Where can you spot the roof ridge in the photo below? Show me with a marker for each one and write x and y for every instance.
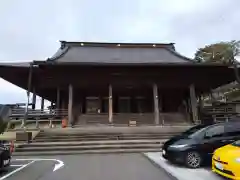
(94, 42)
(118, 44)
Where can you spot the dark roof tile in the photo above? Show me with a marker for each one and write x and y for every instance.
(83, 52)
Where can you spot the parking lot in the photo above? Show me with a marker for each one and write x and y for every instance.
(102, 167)
(27, 169)
(85, 167)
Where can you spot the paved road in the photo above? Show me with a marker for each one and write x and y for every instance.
(91, 167)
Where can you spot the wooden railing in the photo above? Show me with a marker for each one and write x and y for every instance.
(38, 114)
(219, 110)
(125, 118)
(119, 119)
(223, 118)
(220, 114)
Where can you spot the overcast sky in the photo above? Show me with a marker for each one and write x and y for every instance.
(30, 29)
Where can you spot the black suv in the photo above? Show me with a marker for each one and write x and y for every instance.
(196, 145)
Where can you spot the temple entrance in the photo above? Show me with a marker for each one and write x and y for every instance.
(172, 100)
(142, 105)
(124, 105)
(104, 107)
(93, 105)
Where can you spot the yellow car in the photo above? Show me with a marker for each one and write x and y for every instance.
(226, 161)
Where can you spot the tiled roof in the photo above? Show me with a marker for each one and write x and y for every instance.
(85, 52)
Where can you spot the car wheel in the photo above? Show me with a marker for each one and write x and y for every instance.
(193, 159)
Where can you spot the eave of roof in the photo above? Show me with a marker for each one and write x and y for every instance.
(27, 64)
(16, 64)
(131, 64)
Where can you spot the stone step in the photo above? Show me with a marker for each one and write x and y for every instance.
(119, 130)
(71, 139)
(95, 139)
(88, 147)
(98, 151)
(101, 133)
(79, 143)
(103, 137)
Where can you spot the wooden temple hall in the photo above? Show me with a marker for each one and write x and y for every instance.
(114, 83)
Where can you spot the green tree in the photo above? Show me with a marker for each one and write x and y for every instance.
(222, 52)
(4, 118)
(3, 126)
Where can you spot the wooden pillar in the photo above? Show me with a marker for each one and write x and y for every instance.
(42, 104)
(52, 116)
(34, 99)
(28, 95)
(70, 103)
(193, 101)
(156, 104)
(110, 106)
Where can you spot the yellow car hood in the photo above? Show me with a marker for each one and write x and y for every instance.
(227, 152)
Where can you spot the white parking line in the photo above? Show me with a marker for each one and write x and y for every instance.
(57, 166)
(16, 170)
(17, 165)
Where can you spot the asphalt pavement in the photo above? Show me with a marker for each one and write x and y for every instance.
(180, 171)
(85, 167)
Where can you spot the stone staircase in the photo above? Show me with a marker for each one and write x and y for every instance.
(172, 118)
(56, 143)
(141, 119)
(92, 119)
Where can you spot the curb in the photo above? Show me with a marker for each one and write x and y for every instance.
(159, 167)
